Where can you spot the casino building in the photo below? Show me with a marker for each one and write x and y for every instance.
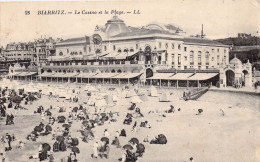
(158, 54)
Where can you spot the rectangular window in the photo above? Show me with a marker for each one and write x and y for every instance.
(218, 50)
(185, 58)
(172, 45)
(166, 45)
(172, 59)
(191, 57)
(89, 49)
(212, 59)
(105, 48)
(224, 59)
(136, 46)
(218, 59)
(185, 67)
(114, 47)
(199, 67)
(160, 45)
(185, 49)
(207, 57)
(199, 57)
(179, 59)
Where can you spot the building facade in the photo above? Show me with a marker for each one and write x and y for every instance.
(117, 52)
(43, 48)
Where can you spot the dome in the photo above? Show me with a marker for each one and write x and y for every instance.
(236, 61)
(116, 26)
(17, 66)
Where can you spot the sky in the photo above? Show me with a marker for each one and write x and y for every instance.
(221, 18)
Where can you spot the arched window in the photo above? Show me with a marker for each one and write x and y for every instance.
(131, 50)
(119, 71)
(179, 47)
(80, 53)
(125, 50)
(113, 71)
(61, 54)
(119, 50)
(199, 57)
(147, 49)
(76, 53)
(207, 57)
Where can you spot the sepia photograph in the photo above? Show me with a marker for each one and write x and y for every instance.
(130, 81)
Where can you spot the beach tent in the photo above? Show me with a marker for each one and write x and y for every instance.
(92, 89)
(136, 99)
(114, 98)
(100, 103)
(164, 97)
(153, 91)
(130, 93)
(91, 101)
(144, 98)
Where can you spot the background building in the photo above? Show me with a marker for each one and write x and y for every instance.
(43, 48)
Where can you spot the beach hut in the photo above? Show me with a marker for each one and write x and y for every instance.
(164, 97)
(153, 91)
(136, 99)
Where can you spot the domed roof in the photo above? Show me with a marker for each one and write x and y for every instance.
(116, 26)
(17, 66)
(235, 61)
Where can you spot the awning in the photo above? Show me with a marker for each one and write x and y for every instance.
(85, 75)
(46, 74)
(131, 55)
(180, 76)
(104, 75)
(65, 75)
(111, 55)
(26, 73)
(32, 73)
(127, 75)
(69, 75)
(202, 76)
(164, 76)
(14, 73)
(120, 75)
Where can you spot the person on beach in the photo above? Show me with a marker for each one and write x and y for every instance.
(95, 150)
(106, 133)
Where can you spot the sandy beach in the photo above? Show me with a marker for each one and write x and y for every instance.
(227, 130)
